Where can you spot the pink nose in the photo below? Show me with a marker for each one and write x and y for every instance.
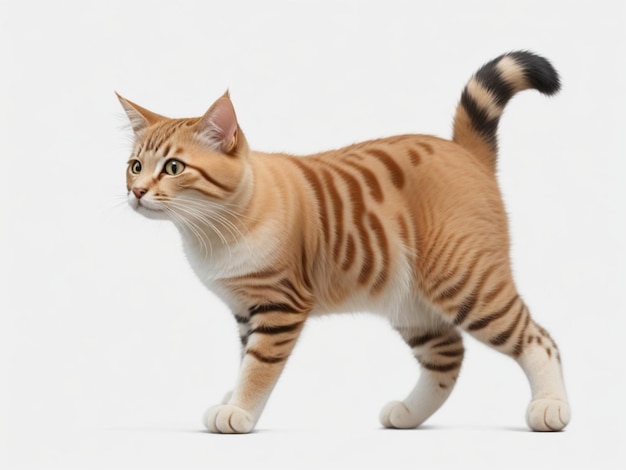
(139, 192)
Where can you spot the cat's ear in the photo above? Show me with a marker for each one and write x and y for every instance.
(218, 127)
(140, 118)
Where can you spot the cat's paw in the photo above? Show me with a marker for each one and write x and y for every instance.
(547, 414)
(228, 419)
(395, 414)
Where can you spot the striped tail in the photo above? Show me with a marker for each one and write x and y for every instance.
(489, 90)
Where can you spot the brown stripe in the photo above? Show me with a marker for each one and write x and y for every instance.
(519, 344)
(283, 342)
(337, 205)
(483, 322)
(395, 172)
(506, 334)
(267, 359)
(403, 230)
(450, 292)
(379, 232)
(293, 294)
(466, 307)
(443, 267)
(370, 180)
(414, 156)
(422, 339)
(276, 330)
(469, 303)
(166, 150)
(159, 140)
(305, 268)
(149, 142)
(440, 367)
(489, 296)
(317, 187)
(258, 275)
(271, 307)
(448, 342)
(164, 132)
(452, 353)
(484, 277)
(358, 212)
(425, 257)
(427, 147)
(210, 179)
(349, 255)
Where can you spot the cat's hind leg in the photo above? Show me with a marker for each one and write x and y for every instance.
(440, 354)
(506, 326)
(541, 361)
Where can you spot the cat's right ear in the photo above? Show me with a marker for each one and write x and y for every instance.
(140, 118)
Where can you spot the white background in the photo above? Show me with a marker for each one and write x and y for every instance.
(111, 349)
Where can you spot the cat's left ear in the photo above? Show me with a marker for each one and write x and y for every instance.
(140, 118)
(218, 127)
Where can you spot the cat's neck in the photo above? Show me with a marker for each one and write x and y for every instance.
(241, 234)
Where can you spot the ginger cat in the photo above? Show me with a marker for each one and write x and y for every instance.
(411, 227)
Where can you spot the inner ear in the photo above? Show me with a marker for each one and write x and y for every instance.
(218, 127)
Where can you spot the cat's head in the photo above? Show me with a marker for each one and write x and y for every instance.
(185, 168)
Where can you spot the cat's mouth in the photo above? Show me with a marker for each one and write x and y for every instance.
(147, 208)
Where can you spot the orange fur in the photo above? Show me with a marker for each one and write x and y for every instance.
(412, 226)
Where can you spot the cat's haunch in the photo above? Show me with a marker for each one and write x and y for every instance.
(411, 227)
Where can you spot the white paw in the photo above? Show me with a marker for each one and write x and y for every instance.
(228, 419)
(395, 414)
(547, 414)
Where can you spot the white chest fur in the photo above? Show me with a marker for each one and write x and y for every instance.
(211, 259)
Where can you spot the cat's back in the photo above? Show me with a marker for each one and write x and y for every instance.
(371, 211)
(424, 173)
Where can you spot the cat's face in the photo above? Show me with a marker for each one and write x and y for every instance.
(184, 169)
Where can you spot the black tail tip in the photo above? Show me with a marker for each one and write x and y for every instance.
(539, 72)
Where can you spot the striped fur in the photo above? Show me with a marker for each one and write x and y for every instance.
(487, 93)
(410, 226)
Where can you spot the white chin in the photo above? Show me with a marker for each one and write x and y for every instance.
(156, 214)
(152, 213)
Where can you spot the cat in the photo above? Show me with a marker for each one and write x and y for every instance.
(410, 226)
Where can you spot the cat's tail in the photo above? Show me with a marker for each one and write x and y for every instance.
(488, 91)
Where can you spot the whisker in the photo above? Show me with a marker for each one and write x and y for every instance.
(210, 215)
(227, 223)
(205, 220)
(195, 230)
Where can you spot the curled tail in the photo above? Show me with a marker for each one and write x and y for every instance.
(489, 90)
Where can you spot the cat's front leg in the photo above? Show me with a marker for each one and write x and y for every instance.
(271, 333)
(243, 323)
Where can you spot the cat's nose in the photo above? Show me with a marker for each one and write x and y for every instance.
(139, 192)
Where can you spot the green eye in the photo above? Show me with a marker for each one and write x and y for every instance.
(135, 167)
(174, 167)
